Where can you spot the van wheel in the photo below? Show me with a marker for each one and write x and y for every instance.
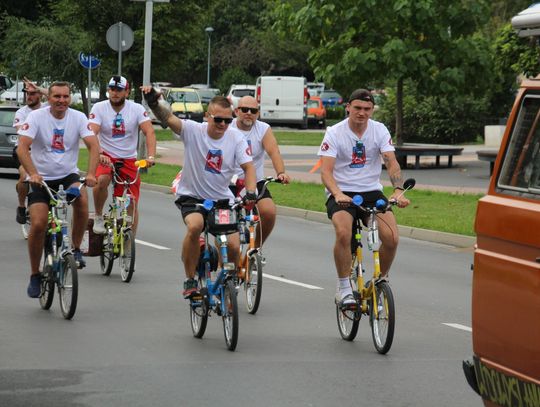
(304, 124)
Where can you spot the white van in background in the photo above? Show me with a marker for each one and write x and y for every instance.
(283, 100)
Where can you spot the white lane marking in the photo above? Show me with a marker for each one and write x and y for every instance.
(458, 326)
(284, 280)
(155, 246)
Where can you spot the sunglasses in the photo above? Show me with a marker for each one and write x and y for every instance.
(252, 110)
(118, 120)
(227, 120)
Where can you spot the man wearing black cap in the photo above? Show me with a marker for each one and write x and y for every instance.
(351, 154)
(117, 121)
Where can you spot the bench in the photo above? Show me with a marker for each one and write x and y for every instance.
(488, 155)
(426, 150)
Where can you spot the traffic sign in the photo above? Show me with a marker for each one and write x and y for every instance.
(120, 37)
(89, 61)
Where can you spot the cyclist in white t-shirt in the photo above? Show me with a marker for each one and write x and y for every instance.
(117, 122)
(54, 133)
(351, 154)
(261, 140)
(212, 152)
(33, 101)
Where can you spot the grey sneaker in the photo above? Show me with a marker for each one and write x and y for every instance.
(99, 225)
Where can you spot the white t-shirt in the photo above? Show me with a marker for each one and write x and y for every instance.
(55, 145)
(209, 164)
(358, 166)
(254, 137)
(119, 131)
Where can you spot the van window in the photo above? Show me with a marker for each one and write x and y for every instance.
(179, 96)
(243, 92)
(520, 173)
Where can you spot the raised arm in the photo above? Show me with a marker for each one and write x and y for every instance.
(161, 109)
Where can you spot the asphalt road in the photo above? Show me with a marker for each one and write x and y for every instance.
(131, 344)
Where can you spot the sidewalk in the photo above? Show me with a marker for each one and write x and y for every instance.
(468, 174)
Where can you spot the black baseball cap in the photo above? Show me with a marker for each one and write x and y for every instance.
(362, 94)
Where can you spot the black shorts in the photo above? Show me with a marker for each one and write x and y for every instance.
(183, 203)
(369, 201)
(40, 194)
(260, 186)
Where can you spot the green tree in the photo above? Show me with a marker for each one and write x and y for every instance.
(370, 42)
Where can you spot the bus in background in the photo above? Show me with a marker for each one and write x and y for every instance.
(283, 100)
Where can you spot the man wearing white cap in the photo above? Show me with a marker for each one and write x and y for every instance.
(116, 122)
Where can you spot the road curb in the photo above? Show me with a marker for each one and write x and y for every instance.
(321, 217)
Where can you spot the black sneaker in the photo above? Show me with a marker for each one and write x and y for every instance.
(190, 288)
(34, 287)
(79, 258)
(21, 215)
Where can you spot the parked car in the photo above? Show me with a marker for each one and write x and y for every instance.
(5, 83)
(505, 366)
(185, 103)
(315, 88)
(206, 95)
(331, 98)
(8, 136)
(238, 91)
(13, 95)
(316, 111)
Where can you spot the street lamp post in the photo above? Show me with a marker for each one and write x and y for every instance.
(209, 31)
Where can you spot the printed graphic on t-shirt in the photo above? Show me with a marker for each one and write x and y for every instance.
(58, 141)
(249, 150)
(214, 161)
(358, 156)
(118, 127)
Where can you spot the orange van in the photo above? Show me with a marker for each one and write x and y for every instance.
(505, 369)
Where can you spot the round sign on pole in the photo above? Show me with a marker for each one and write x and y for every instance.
(88, 61)
(120, 33)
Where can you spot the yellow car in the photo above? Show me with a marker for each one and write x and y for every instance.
(185, 103)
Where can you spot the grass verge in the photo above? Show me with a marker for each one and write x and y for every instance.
(441, 211)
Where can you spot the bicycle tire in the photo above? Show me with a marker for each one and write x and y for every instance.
(68, 286)
(106, 258)
(47, 287)
(230, 315)
(198, 310)
(127, 258)
(348, 320)
(253, 283)
(382, 325)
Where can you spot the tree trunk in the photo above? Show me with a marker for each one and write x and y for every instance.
(399, 112)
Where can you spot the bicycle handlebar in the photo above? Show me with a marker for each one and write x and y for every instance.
(382, 205)
(73, 191)
(116, 176)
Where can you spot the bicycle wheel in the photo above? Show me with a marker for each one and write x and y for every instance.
(348, 319)
(382, 325)
(68, 286)
(253, 283)
(127, 259)
(106, 258)
(198, 310)
(230, 315)
(47, 286)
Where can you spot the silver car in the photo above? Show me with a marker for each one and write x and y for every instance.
(8, 137)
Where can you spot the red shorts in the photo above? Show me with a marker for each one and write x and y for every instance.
(127, 171)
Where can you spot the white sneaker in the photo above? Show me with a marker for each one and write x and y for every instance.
(99, 225)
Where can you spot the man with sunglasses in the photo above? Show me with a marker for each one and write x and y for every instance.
(351, 154)
(33, 102)
(54, 133)
(212, 152)
(261, 140)
(117, 122)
